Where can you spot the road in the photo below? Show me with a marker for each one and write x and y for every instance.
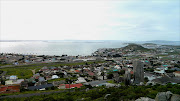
(35, 94)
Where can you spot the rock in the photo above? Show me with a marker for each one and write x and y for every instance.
(175, 97)
(163, 96)
(145, 99)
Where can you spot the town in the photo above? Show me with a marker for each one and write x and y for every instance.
(134, 64)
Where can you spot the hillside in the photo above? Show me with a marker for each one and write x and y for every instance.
(136, 47)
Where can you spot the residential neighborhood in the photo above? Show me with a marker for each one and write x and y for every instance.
(130, 65)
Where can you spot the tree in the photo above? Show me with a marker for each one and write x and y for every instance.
(122, 72)
(146, 79)
(69, 81)
(102, 74)
(110, 76)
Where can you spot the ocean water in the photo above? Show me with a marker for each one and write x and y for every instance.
(56, 48)
(71, 48)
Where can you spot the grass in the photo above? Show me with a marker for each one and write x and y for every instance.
(174, 53)
(111, 81)
(3, 64)
(20, 72)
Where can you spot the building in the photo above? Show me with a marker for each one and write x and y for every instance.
(138, 71)
(9, 89)
(66, 86)
(177, 73)
(96, 83)
(81, 80)
(13, 77)
(8, 82)
(40, 87)
(55, 77)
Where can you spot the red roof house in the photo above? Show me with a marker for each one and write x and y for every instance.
(9, 89)
(65, 86)
(77, 71)
(91, 73)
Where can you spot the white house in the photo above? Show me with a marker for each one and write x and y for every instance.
(55, 77)
(8, 82)
(81, 80)
(150, 76)
(13, 77)
(18, 81)
(160, 70)
(177, 73)
(117, 67)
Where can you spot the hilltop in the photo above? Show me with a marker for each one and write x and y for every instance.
(149, 44)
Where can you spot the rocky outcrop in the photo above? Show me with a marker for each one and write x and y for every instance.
(145, 99)
(175, 97)
(167, 96)
(162, 96)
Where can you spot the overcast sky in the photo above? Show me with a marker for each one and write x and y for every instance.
(133, 20)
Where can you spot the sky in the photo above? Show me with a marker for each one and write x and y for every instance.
(126, 20)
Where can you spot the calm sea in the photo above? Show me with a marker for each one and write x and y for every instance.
(58, 47)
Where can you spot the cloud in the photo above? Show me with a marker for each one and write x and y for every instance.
(90, 20)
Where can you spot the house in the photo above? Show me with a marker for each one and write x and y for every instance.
(175, 68)
(9, 89)
(55, 77)
(91, 73)
(102, 77)
(81, 80)
(13, 77)
(177, 73)
(95, 83)
(41, 79)
(32, 80)
(110, 85)
(117, 67)
(115, 70)
(72, 70)
(150, 76)
(66, 86)
(7, 77)
(39, 87)
(57, 83)
(8, 82)
(159, 70)
(77, 71)
(18, 81)
(36, 75)
(24, 84)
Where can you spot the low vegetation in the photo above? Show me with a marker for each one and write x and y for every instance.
(98, 94)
